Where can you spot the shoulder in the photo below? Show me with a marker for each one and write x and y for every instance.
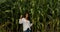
(23, 18)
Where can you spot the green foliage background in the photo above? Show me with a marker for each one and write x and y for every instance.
(45, 14)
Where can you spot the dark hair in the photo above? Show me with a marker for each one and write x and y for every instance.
(28, 15)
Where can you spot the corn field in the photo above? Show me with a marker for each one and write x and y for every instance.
(45, 14)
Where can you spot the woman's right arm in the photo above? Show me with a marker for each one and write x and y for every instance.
(20, 20)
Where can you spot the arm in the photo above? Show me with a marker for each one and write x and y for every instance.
(20, 21)
(31, 24)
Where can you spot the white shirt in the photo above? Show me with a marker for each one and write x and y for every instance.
(26, 23)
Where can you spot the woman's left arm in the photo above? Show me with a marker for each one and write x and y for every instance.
(31, 24)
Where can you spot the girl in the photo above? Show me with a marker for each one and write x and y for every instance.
(26, 23)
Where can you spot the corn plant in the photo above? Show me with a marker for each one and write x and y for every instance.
(44, 14)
